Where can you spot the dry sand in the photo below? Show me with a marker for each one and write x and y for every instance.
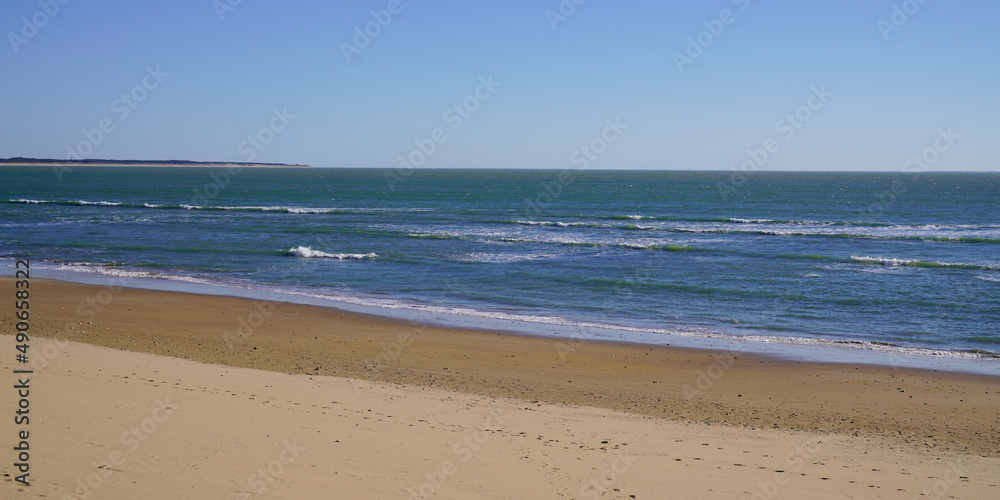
(460, 414)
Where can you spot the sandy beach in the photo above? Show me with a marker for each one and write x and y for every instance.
(151, 394)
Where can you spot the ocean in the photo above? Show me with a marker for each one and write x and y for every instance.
(903, 262)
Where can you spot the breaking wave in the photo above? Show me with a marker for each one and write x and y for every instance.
(308, 252)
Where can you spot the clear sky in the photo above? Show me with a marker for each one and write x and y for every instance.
(216, 74)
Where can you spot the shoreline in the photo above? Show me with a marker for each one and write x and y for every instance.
(909, 408)
(781, 348)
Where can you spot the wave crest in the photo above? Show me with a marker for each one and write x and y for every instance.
(308, 252)
(894, 262)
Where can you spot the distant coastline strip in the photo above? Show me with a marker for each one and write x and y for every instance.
(48, 162)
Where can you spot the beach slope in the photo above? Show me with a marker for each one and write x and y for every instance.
(413, 411)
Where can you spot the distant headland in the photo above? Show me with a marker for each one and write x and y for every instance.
(47, 162)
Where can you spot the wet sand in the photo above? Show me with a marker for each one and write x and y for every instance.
(574, 390)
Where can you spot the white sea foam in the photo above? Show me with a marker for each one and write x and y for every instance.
(637, 246)
(99, 203)
(106, 270)
(893, 262)
(885, 261)
(326, 210)
(30, 202)
(750, 221)
(502, 258)
(548, 223)
(248, 208)
(558, 223)
(828, 229)
(299, 210)
(688, 332)
(308, 252)
(114, 271)
(742, 220)
(308, 210)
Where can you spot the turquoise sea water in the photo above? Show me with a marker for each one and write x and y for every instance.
(872, 260)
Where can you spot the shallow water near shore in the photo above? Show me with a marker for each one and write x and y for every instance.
(816, 266)
(848, 352)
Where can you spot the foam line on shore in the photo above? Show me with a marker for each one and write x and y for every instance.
(785, 347)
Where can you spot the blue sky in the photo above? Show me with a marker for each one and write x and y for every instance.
(559, 81)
